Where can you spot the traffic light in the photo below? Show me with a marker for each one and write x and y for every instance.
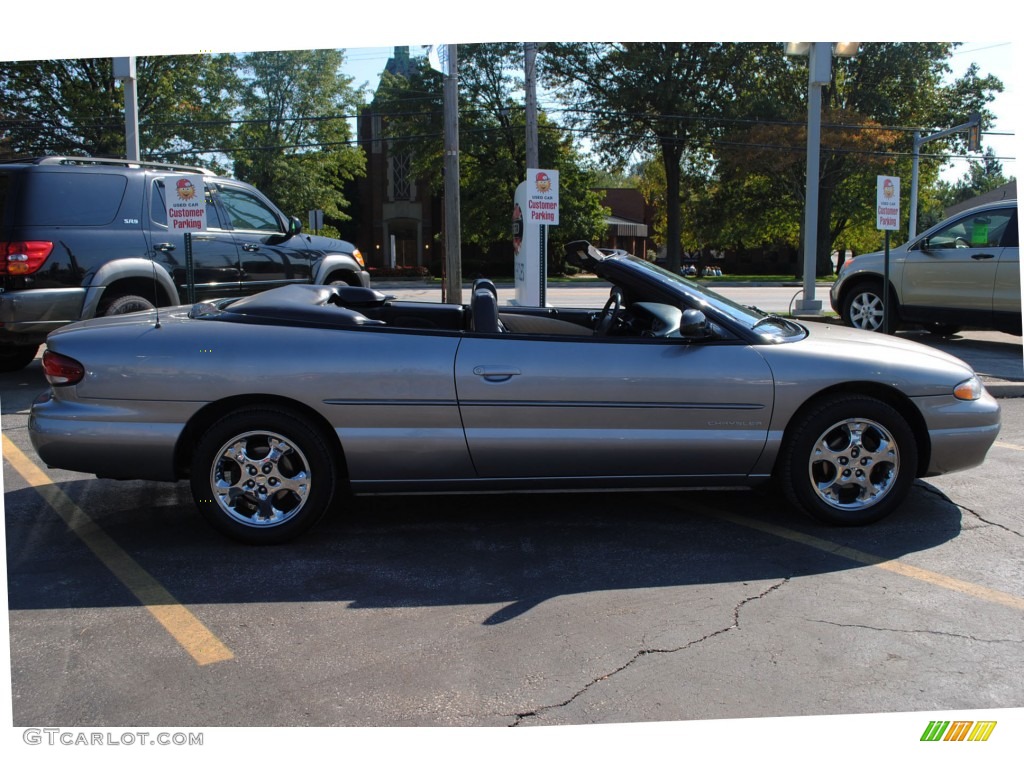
(974, 132)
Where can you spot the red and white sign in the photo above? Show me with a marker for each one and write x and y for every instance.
(887, 207)
(541, 196)
(186, 203)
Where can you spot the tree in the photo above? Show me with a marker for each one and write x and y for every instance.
(982, 176)
(653, 99)
(293, 140)
(492, 139)
(75, 107)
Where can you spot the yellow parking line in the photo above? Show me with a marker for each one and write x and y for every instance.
(200, 643)
(866, 558)
(1010, 446)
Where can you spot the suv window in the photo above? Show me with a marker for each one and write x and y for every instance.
(158, 207)
(246, 211)
(982, 230)
(72, 199)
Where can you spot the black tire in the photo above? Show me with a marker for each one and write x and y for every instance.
(263, 476)
(14, 357)
(122, 305)
(344, 278)
(848, 460)
(864, 305)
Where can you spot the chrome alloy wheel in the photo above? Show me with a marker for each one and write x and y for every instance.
(866, 311)
(260, 479)
(854, 464)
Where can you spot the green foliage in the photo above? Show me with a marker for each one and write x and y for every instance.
(492, 145)
(293, 140)
(75, 107)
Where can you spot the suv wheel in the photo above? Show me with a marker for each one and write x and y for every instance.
(122, 305)
(864, 307)
(14, 357)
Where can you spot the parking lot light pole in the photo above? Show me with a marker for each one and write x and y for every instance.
(819, 69)
(971, 127)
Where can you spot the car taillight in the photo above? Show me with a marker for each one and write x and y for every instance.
(23, 257)
(61, 370)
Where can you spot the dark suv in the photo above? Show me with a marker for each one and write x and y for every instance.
(81, 237)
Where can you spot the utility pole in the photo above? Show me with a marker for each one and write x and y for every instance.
(452, 200)
(532, 148)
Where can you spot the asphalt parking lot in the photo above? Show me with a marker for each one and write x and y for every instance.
(541, 609)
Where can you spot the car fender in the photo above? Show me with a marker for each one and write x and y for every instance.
(127, 269)
(333, 262)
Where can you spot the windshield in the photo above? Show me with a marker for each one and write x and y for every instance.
(771, 327)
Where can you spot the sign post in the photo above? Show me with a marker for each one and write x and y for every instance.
(887, 218)
(186, 213)
(536, 208)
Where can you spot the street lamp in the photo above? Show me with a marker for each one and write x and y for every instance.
(819, 68)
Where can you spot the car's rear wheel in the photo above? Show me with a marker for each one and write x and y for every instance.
(864, 307)
(849, 460)
(263, 476)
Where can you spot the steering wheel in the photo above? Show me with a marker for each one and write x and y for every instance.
(961, 242)
(609, 313)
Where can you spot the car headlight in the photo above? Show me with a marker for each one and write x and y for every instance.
(358, 257)
(971, 389)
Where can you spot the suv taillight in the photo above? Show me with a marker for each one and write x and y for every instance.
(23, 257)
(61, 370)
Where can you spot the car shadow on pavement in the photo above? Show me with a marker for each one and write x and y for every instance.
(509, 552)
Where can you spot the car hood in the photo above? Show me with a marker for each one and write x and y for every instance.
(840, 339)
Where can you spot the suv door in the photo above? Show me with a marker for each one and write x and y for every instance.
(268, 256)
(214, 253)
(1006, 301)
(951, 275)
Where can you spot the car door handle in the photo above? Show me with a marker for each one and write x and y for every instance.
(164, 247)
(496, 372)
(982, 256)
(251, 247)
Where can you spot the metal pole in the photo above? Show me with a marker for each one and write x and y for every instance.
(453, 223)
(124, 70)
(913, 186)
(533, 158)
(532, 147)
(808, 305)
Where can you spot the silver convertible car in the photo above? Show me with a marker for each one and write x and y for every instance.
(277, 405)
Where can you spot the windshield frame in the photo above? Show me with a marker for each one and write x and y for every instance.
(765, 326)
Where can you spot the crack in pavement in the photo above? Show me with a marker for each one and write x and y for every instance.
(976, 515)
(917, 632)
(643, 652)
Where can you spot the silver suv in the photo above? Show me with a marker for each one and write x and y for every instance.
(961, 273)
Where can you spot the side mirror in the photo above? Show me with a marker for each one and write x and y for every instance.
(294, 226)
(692, 323)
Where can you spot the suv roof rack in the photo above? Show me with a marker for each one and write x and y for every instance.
(74, 160)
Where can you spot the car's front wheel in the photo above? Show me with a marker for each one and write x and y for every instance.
(263, 476)
(864, 307)
(849, 460)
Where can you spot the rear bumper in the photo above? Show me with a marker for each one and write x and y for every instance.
(102, 440)
(26, 317)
